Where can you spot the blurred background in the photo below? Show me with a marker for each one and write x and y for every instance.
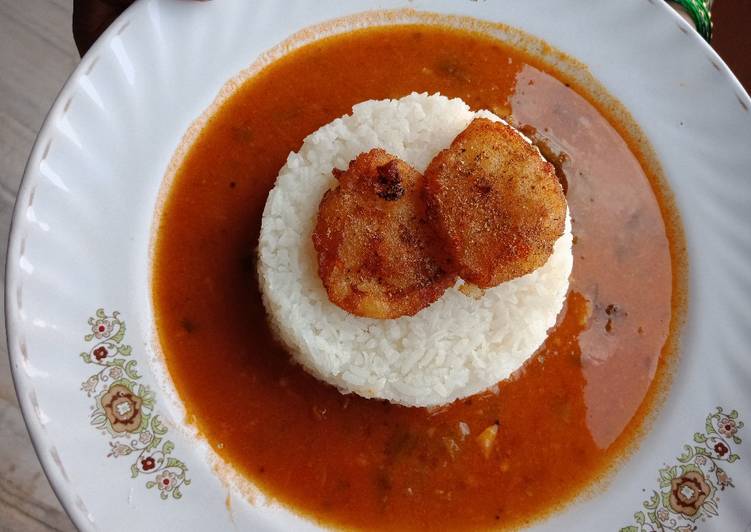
(37, 53)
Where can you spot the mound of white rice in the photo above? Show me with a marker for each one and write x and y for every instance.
(456, 347)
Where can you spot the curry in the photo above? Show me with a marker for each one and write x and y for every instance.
(503, 458)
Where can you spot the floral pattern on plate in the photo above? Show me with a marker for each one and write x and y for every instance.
(124, 408)
(689, 490)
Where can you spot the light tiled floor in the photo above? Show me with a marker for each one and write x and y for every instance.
(37, 54)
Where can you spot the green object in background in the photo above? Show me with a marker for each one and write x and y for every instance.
(699, 11)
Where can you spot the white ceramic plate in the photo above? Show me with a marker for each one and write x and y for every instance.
(83, 221)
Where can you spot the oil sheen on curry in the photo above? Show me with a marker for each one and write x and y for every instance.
(502, 458)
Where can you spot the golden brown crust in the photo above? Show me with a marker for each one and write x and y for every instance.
(495, 202)
(377, 253)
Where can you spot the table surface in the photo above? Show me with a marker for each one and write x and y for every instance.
(37, 54)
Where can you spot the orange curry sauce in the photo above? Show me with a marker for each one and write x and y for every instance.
(564, 419)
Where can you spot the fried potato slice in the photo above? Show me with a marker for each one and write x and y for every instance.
(496, 204)
(377, 253)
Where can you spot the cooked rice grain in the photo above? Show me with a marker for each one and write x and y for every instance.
(457, 346)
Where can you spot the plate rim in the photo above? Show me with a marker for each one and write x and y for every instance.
(41, 441)
(37, 433)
